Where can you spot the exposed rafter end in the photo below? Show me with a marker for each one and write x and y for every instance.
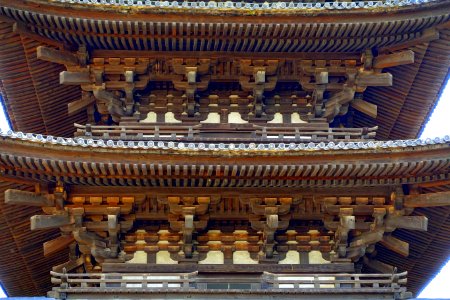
(78, 105)
(57, 244)
(428, 35)
(365, 107)
(23, 29)
(378, 266)
(394, 59)
(427, 200)
(69, 265)
(49, 221)
(57, 56)
(396, 245)
(19, 197)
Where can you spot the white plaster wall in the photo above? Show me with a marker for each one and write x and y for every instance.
(213, 257)
(169, 117)
(151, 118)
(315, 257)
(292, 257)
(243, 257)
(212, 118)
(235, 117)
(163, 257)
(277, 119)
(140, 257)
(295, 118)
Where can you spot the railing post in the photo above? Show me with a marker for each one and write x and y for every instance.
(88, 130)
(156, 131)
(123, 132)
(264, 133)
(64, 279)
(357, 282)
(316, 282)
(190, 132)
(144, 281)
(102, 281)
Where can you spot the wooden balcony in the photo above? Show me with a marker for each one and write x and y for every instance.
(314, 132)
(227, 286)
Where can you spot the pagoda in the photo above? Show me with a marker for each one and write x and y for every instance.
(222, 149)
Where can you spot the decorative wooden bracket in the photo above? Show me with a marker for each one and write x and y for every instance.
(193, 77)
(188, 215)
(258, 76)
(269, 215)
(346, 223)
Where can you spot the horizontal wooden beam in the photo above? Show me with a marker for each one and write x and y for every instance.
(19, 197)
(49, 221)
(374, 79)
(394, 59)
(57, 56)
(407, 222)
(235, 268)
(235, 192)
(69, 265)
(223, 54)
(74, 78)
(377, 265)
(427, 200)
(57, 244)
(78, 105)
(396, 245)
(428, 35)
(365, 107)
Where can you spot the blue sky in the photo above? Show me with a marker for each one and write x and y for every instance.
(438, 125)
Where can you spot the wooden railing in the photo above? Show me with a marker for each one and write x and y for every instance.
(361, 282)
(123, 283)
(88, 281)
(225, 132)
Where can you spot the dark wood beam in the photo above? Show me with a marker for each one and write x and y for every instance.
(377, 265)
(57, 244)
(69, 265)
(74, 78)
(235, 268)
(396, 245)
(427, 36)
(79, 105)
(394, 59)
(24, 30)
(365, 107)
(219, 54)
(427, 200)
(19, 197)
(49, 221)
(57, 56)
(266, 192)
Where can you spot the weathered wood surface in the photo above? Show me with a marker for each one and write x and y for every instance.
(365, 107)
(427, 200)
(235, 268)
(49, 221)
(19, 197)
(394, 59)
(57, 244)
(57, 56)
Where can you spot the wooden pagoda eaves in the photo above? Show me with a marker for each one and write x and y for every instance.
(263, 190)
(152, 180)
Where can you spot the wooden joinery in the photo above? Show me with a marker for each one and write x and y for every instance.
(121, 87)
(191, 76)
(188, 215)
(258, 76)
(270, 215)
